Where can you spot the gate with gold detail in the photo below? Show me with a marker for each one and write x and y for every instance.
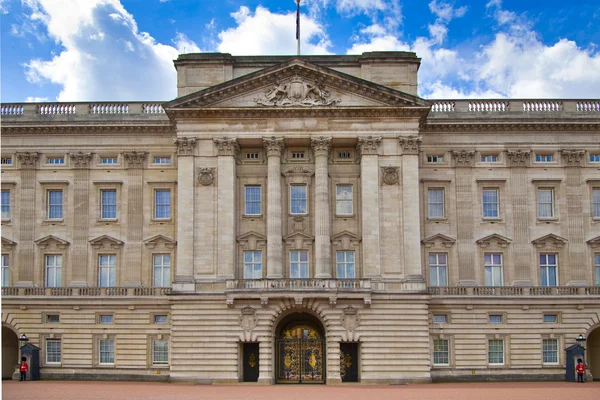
(300, 351)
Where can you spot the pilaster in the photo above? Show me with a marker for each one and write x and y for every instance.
(463, 163)
(81, 212)
(321, 146)
(28, 164)
(273, 149)
(134, 163)
(577, 246)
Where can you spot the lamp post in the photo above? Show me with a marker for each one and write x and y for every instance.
(23, 339)
(580, 340)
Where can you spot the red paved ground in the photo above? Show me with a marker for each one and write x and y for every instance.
(55, 390)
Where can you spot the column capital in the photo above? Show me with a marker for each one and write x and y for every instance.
(28, 160)
(410, 144)
(273, 145)
(81, 160)
(135, 159)
(518, 158)
(573, 158)
(321, 145)
(185, 146)
(368, 145)
(227, 146)
(463, 158)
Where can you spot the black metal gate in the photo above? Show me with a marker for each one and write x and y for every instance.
(300, 360)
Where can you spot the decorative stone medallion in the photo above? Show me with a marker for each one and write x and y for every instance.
(350, 319)
(389, 175)
(248, 320)
(206, 176)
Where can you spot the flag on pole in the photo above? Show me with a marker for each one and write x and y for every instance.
(298, 20)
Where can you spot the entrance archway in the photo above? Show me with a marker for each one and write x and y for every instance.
(10, 352)
(300, 350)
(593, 350)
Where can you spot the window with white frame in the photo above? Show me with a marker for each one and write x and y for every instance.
(53, 351)
(162, 160)
(441, 353)
(160, 351)
(5, 270)
(107, 270)
(253, 200)
(495, 351)
(440, 318)
(344, 204)
(489, 158)
(5, 204)
(162, 204)
(252, 264)
(595, 203)
(595, 158)
(490, 202)
(53, 270)
(543, 158)
(161, 319)
(545, 203)
(6, 161)
(548, 269)
(105, 319)
(106, 351)
(345, 264)
(55, 204)
(550, 318)
(493, 269)
(437, 158)
(56, 160)
(298, 199)
(438, 269)
(298, 264)
(108, 204)
(161, 266)
(109, 160)
(550, 351)
(596, 263)
(435, 202)
(495, 318)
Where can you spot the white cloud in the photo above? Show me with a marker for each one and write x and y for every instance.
(445, 11)
(184, 45)
(31, 99)
(4, 7)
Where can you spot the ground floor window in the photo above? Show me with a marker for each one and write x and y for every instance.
(53, 351)
(106, 351)
(441, 355)
(160, 351)
(496, 351)
(550, 351)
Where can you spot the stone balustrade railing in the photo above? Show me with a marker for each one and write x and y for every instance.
(524, 107)
(85, 292)
(513, 291)
(56, 111)
(300, 284)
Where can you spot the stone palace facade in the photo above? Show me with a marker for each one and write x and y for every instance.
(301, 220)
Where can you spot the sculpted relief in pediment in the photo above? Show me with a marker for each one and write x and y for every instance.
(298, 92)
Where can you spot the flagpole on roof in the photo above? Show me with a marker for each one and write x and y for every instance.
(298, 25)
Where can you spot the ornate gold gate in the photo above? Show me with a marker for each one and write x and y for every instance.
(300, 356)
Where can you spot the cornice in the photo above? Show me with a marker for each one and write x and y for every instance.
(89, 130)
(512, 126)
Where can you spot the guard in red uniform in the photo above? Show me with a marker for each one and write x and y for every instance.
(23, 369)
(580, 369)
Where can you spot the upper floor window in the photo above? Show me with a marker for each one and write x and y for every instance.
(53, 351)
(545, 203)
(161, 319)
(298, 264)
(543, 158)
(438, 269)
(105, 319)
(107, 270)
(161, 265)
(108, 204)
(595, 202)
(496, 351)
(438, 158)
(495, 319)
(489, 158)
(162, 160)
(6, 160)
(344, 155)
(53, 270)
(596, 263)
(5, 269)
(56, 160)
(440, 319)
(5, 204)
(298, 199)
(252, 156)
(550, 318)
(490, 203)
(253, 265)
(550, 351)
(298, 155)
(548, 269)
(162, 204)
(435, 203)
(441, 353)
(594, 157)
(345, 264)
(493, 269)
(55, 204)
(109, 160)
(344, 200)
(253, 198)
(52, 318)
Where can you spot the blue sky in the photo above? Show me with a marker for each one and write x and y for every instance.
(99, 50)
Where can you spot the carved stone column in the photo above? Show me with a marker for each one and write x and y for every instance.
(273, 148)
(186, 234)
(410, 147)
(577, 247)
(321, 146)
(518, 160)
(463, 163)
(81, 213)
(134, 163)
(367, 148)
(26, 231)
(228, 150)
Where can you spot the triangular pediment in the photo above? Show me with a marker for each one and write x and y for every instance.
(551, 240)
(345, 239)
(344, 234)
(157, 239)
(106, 241)
(50, 239)
(251, 235)
(438, 239)
(7, 243)
(296, 83)
(594, 242)
(298, 240)
(494, 240)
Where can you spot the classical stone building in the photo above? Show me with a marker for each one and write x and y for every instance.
(301, 219)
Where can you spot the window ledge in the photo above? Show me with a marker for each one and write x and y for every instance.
(60, 221)
(437, 220)
(252, 216)
(345, 216)
(112, 220)
(492, 219)
(548, 220)
(160, 220)
(160, 366)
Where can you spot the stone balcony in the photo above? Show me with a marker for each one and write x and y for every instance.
(85, 292)
(508, 291)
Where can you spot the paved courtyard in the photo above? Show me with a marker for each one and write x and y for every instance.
(66, 390)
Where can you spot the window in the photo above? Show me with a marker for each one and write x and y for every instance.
(161, 319)
(550, 318)
(489, 158)
(109, 160)
(496, 351)
(298, 199)
(253, 265)
(55, 204)
(490, 203)
(108, 204)
(6, 160)
(253, 198)
(297, 155)
(162, 160)
(543, 158)
(595, 203)
(162, 270)
(107, 274)
(160, 351)
(251, 156)
(298, 264)
(440, 352)
(435, 159)
(106, 351)
(5, 204)
(162, 204)
(593, 158)
(438, 269)
(5, 281)
(344, 155)
(56, 160)
(52, 318)
(493, 269)
(545, 203)
(344, 200)
(495, 319)
(440, 319)
(550, 351)
(596, 263)
(52, 351)
(548, 270)
(344, 264)
(435, 202)
(53, 270)
(105, 319)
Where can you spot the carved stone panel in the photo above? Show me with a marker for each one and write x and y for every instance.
(28, 160)
(205, 176)
(81, 159)
(463, 158)
(185, 146)
(227, 146)
(350, 319)
(518, 158)
(248, 318)
(390, 175)
(573, 158)
(135, 159)
(368, 145)
(410, 144)
(297, 92)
